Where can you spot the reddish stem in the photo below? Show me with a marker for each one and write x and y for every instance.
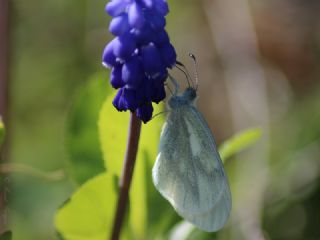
(126, 178)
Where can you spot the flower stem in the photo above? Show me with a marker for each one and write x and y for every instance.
(127, 172)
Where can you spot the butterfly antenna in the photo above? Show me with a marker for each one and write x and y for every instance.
(159, 113)
(176, 85)
(184, 70)
(196, 75)
(167, 85)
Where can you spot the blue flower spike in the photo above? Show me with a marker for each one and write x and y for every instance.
(139, 55)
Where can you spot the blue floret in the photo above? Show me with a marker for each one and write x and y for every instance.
(139, 55)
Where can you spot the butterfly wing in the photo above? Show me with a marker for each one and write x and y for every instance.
(188, 171)
(215, 218)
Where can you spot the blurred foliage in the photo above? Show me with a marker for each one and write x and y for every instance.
(85, 156)
(33, 172)
(6, 236)
(292, 199)
(239, 142)
(1, 132)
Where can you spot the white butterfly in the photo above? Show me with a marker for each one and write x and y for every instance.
(188, 171)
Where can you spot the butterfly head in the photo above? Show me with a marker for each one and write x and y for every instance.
(190, 94)
(186, 98)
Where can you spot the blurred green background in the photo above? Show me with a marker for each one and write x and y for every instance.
(258, 66)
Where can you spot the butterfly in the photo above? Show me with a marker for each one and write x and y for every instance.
(188, 171)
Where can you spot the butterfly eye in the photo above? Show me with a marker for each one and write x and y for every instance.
(193, 94)
(190, 94)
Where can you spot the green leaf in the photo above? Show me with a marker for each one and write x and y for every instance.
(113, 127)
(149, 140)
(89, 212)
(2, 131)
(239, 142)
(82, 138)
(6, 236)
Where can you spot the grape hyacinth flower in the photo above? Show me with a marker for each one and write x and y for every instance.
(139, 55)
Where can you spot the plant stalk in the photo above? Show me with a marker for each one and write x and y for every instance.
(127, 172)
(4, 101)
(4, 58)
